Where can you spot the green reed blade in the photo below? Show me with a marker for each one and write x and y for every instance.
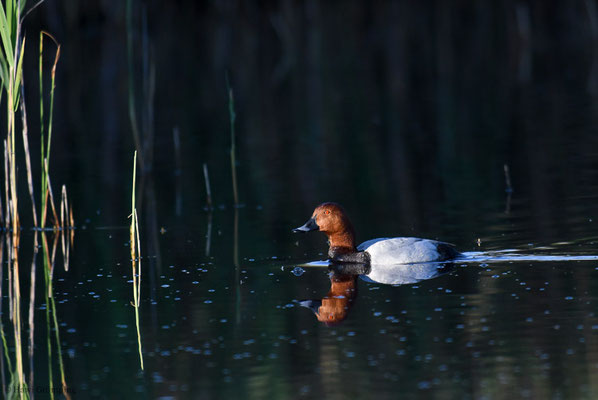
(19, 73)
(6, 36)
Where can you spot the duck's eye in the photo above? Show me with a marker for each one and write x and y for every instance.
(327, 212)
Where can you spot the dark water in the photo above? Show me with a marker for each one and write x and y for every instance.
(404, 113)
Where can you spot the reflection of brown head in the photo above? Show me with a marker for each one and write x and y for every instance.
(336, 304)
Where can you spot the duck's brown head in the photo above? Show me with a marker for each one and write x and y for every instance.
(332, 219)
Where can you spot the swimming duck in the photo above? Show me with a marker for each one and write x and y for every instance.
(331, 219)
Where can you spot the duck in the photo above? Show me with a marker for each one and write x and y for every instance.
(331, 219)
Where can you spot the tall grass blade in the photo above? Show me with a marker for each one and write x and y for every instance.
(42, 124)
(28, 160)
(133, 197)
(11, 72)
(6, 190)
(233, 161)
(52, 87)
(4, 73)
(51, 197)
(10, 272)
(46, 142)
(136, 259)
(33, 7)
(5, 34)
(9, 17)
(19, 74)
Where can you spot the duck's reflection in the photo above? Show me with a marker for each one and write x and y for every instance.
(407, 274)
(333, 308)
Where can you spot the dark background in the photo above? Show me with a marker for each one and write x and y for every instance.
(401, 111)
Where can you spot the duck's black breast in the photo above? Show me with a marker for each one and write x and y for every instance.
(342, 255)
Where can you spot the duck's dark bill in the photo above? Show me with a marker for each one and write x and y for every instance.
(310, 225)
(313, 305)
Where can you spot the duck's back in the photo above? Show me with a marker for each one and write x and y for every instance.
(405, 250)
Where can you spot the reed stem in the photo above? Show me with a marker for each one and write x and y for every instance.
(28, 157)
(46, 143)
(233, 150)
(136, 259)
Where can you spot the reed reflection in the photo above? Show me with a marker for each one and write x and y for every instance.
(17, 386)
(49, 258)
